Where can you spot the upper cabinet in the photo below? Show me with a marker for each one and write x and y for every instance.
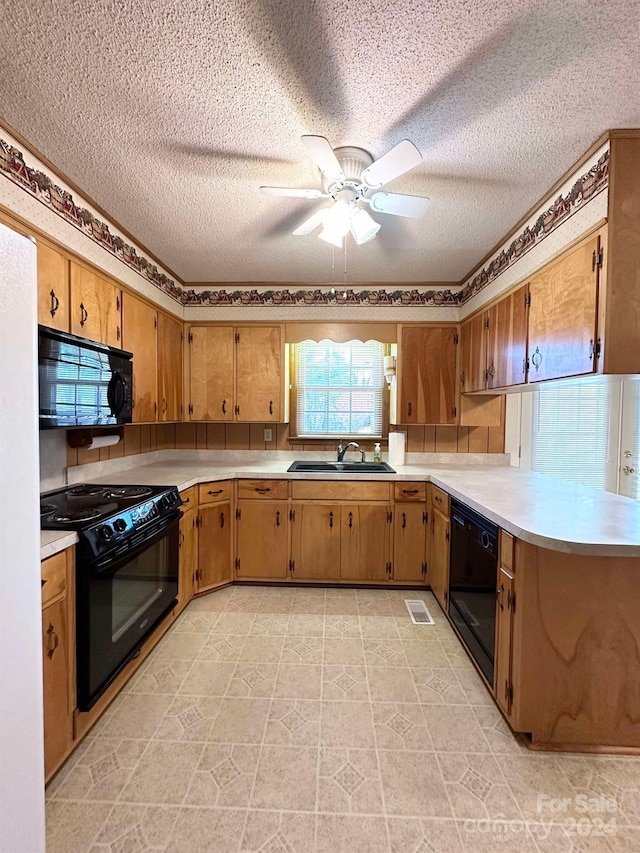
(53, 288)
(473, 345)
(427, 375)
(507, 340)
(563, 302)
(236, 373)
(170, 339)
(94, 307)
(139, 336)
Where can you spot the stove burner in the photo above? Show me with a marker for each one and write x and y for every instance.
(129, 492)
(85, 491)
(46, 509)
(76, 515)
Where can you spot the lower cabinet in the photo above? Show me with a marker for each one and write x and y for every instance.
(503, 680)
(315, 541)
(214, 546)
(57, 660)
(439, 553)
(262, 548)
(410, 542)
(188, 557)
(365, 539)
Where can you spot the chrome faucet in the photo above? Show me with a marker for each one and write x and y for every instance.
(342, 450)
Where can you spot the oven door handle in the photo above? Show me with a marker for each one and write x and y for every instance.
(112, 562)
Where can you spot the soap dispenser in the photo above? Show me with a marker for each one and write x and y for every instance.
(377, 454)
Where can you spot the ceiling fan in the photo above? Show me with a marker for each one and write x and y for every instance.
(353, 180)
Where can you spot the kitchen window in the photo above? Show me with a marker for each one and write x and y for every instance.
(339, 388)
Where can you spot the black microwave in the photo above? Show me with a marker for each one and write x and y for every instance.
(82, 383)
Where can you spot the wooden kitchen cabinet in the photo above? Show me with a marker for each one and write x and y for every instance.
(315, 541)
(140, 336)
(58, 656)
(439, 533)
(262, 547)
(214, 546)
(365, 540)
(563, 314)
(505, 604)
(507, 340)
(410, 542)
(94, 307)
(427, 375)
(237, 374)
(53, 288)
(170, 347)
(188, 557)
(473, 353)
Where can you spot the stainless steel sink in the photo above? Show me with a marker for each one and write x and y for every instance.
(303, 466)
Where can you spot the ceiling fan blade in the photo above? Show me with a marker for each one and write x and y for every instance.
(398, 160)
(399, 205)
(290, 192)
(323, 155)
(310, 224)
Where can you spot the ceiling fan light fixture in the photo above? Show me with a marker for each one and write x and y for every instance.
(363, 226)
(337, 219)
(331, 237)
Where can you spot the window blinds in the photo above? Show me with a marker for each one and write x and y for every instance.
(573, 433)
(339, 388)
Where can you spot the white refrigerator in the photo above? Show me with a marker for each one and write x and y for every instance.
(21, 745)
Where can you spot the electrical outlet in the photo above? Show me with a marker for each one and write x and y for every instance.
(268, 435)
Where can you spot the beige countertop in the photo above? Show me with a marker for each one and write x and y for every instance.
(545, 511)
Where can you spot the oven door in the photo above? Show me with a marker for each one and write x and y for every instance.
(119, 601)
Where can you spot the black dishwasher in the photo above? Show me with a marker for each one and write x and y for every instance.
(472, 583)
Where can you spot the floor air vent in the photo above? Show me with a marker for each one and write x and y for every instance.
(418, 612)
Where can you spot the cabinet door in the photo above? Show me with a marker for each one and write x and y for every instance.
(58, 730)
(263, 540)
(139, 336)
(258, 373)
(95, 307)
(410, 542)
(365, 537)
(188, 558)
(315, 541)
(473, 342)
(170, 341)
(439, 564)
(214, 546)
(508, 340)
(563, 314)
(211, 372)
(504, 633)
(53, 289)
(428, 369)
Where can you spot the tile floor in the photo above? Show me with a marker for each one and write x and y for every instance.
(299, 720)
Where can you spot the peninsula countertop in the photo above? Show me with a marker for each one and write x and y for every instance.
(545, 511)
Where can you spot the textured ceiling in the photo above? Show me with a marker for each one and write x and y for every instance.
(171, 115)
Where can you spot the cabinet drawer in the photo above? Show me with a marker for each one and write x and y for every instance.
(210, 492)
(189, 498)
(339, 490)
(54, 576)
(410, 491)
(440, 500)
(506, 550)
(275, 490)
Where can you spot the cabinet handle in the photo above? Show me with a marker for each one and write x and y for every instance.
(410, 491)
(350, 519)
(277, 518)
(536, 358)
(262, 490)
(53, 641)
(270, 407)
(224, 407)
(84, 314)
(490, 372)
(55, 303)
(217, 492)
(331, 519)
(186, 500)
(404, 520)
(237, 410)
(165, 405)
(221, 519)
(181, 539)
(437, 499)
(118, 333)
(499, 592)
(409, 409)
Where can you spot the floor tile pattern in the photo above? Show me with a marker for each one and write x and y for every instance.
(305, 720)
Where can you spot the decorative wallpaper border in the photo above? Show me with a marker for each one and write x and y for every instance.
(43, 188)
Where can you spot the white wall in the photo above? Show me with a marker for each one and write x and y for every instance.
(53, 459)
(21, 747)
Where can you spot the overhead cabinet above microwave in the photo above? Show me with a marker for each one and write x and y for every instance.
(82, 383)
